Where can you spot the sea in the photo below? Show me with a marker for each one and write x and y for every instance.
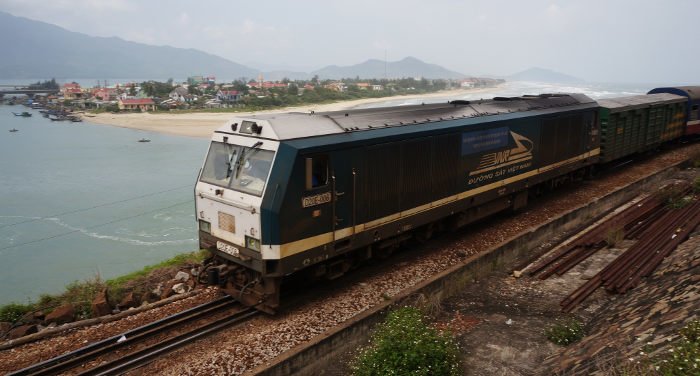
(81, 201)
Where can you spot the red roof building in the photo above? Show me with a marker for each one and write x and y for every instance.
(137, 104)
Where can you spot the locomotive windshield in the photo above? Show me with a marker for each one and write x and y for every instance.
(241, 168)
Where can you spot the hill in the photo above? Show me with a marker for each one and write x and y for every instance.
(544, 75)
(407, 67)
(33, 49)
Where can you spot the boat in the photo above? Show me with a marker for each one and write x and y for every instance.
(23, 114)
(14, 130)
(144, 140)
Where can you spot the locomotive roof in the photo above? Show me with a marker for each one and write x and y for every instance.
(639, 101)
(294, 125)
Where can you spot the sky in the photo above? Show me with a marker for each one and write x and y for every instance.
(616, 41)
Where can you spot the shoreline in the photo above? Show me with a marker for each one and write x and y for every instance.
(203, 124)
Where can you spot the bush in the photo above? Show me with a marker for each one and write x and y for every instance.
(683, 359)
(13, 312)
(404, 344)
(565, 333)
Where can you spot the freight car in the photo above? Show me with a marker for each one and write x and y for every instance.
(692, 106)
(315, 193)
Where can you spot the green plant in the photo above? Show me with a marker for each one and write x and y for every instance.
(683, 358)
(696, 185)
(13, 312)
(404, 344)
(614, 237)
(566, 332)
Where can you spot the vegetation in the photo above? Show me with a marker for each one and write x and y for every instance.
(680, 358)
(80, 294)
(615, 237)
(674, 197)
(683, 358)
(405, 345)
(566, 332)
(49, 84)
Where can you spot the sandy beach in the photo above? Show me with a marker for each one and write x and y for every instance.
(203, 124)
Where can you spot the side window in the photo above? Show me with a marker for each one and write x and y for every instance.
(316, 171)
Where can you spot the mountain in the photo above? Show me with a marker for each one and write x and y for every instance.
(33, 49)
(407, 67)
(544, 75)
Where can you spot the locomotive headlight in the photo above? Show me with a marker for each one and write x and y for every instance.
(205, 226)
(252, 243)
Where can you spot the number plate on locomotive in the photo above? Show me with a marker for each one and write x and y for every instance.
(231, 250)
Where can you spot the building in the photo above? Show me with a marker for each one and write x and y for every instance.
(179, 94)
(104, 93)
(72, 91)
(139, 104)
(228, 96)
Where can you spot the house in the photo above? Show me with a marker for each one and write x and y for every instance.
(179, 94)
(228, 96)
(104, 93)
(266, 85)
(139, 104)
(362, 85)
(377, 87)
(468, 82)
(337, 86)
(72, 91)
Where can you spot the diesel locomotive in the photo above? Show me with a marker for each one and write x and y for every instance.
(316, 193)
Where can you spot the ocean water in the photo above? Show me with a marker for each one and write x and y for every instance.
(519, 88)
(79, 200)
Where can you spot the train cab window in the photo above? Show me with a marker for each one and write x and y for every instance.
(316, 171)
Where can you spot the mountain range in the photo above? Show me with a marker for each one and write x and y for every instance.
(34, 49)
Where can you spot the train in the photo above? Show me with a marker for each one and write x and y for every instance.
(314, 194)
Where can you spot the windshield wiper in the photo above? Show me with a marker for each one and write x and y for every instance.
(239, 162)
(230, 163)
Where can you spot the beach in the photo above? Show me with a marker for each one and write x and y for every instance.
(203, 124)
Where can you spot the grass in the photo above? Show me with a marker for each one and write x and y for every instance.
(81, 293)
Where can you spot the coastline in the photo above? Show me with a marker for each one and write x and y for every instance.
(203, 124)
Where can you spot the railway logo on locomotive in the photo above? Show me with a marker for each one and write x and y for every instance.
(499, 164)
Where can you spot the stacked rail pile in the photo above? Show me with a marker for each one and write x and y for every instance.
(657, 229)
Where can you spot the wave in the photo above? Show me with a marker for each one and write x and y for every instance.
(120, 239)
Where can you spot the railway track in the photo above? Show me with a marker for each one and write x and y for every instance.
(174, 324)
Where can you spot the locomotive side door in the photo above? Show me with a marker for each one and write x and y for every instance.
(344, 179)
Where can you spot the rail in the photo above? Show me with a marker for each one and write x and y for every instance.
(85, 354)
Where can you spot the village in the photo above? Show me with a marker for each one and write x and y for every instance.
(205, 93)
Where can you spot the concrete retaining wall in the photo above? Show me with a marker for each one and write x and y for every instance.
(317, 355)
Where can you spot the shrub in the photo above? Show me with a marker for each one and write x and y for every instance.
(565, 333)
(404, 344)
(683, 358)
(13, 312)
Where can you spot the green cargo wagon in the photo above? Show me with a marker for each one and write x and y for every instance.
(630, 125)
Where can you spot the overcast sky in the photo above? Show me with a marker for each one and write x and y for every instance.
(646, 41)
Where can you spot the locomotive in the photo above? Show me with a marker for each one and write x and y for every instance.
(316, 193)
